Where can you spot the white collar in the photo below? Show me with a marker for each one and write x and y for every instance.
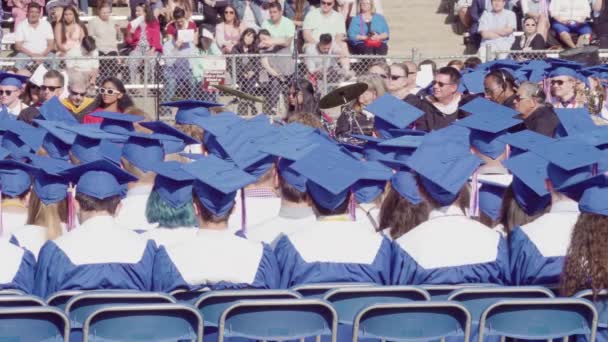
(141, 189)
(450, 210)
(103, 221)
(564, 206)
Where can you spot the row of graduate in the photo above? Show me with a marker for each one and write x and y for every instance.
(315, 175)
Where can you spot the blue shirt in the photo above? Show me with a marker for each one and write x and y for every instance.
(359, 27)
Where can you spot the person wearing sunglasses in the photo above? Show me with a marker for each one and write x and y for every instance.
(228, 32)
(112, 97)
(564, 88)
(496, 27)
(536, 114)
(368, 32)
(499, 86)
(399, 84)
(532, 39)
(11, 86)
(325, 19)
(77, 99)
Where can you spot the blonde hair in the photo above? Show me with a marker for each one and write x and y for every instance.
(372, 4)
(50, 216)
(374, 83)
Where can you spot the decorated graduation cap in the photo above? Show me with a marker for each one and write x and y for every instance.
(485, 131)
(216, 182)
(173, 184)
(20, 137)
(170, 146)
(87, 146)
(528, 185)
(491, 192)
(54, 110)
(117, 123)
(573, 121)
(145, 150)
(523, 141)
(391, 112)
(372, 181)
(15, 178)
(444, 168)
(405, 184)
(99, 179)
(10, 79)
(571, 163)
(58, 140)
(330, 173)
(189, 110)
(49, 184)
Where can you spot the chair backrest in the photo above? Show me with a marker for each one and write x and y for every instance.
(34, 324)
(319, 289)
(477, 299)
(11, 301)
(147, 322)
(536, 319)
(188, 296)
(212, 304)
(61, 298)
(81, 306)
(348, 301)
(413, 321)
(601, 305)
(442, 292)
(278, 319)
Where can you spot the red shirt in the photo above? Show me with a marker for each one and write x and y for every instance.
(172, 30)
(89, 119)
(153, 33)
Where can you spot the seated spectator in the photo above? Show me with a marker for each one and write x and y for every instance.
(569, 16)
(69, 32)
(277, 70)
(302, 98)
(11, 89)
(290, 11)
(499, 86)
(535, 10)
(77, 99)
(476, 10)
(315, 63)
(112, 97)
(228, 32)
(144, 41)
(381, 69)
(251, 12)
(352, 119)
(206, 47)
(537, 115)
(178, 71)
(532, 39)
(462, 9)
(456, 64)
(325, 20)
(213, 11)
(399, 84)
(89, 67)
(247, 69)
(19, 9)
(169, 9)
(281, 29)
(442, 108)
(472, 62)
(34, 39)
(368, 32)
(600, 22)
(105, 30)
(564, 89)
(99, 254)
(497, 26)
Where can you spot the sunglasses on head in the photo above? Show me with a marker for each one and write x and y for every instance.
(75, 93)
(106, 91)
(50, 88)
(557, 82)
(441, 84)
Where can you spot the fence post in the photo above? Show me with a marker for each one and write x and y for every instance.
(233, 58)
(489, 53)
(145, 81)
(415, 55)
(325, 64)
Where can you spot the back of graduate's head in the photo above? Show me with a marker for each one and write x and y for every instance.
(512, 214)
(134, 170)
(437, 197)
(90, 204)
(291, 184)
(207, 216)
(320, 210)
(51, 215)
(160, 211)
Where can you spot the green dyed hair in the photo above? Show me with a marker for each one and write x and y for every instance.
(159, 211)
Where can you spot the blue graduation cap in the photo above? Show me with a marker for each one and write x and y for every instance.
(444, 168)
(189, 110)
(169, 145)
(595, 200)
(58, 140)
(597, 137)
(145, 150)
(473, 81)
(481, 105)
(404, 141)
(99, 179)
(372, 181)
(10, 79)
(528, 186)
(570, 164)
(20, 137)
(117, 123)
(525, 140)
(569, 72)
(405, 184)
(15, 177)
(216, 182)
(372, 150)
(330, 174)
(485, 131)
(49, 184)
(398, 132)
(88, 142)
(491, 191)
(216, 126)
(574, 121)
(173, 184)
(54, 110)
(391, 112)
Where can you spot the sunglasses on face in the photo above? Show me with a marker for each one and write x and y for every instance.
(228, 12)
(557, 82)
(34, 87)
(441, 84)
(327, 3)
(75, 93)
(518, 97)
(396, 77)
(106, 91)
(50, 88)
(6, 92)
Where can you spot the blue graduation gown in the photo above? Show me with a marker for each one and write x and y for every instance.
(17, 267)
(450, 248)
(97, 255)
(334, 251)
(538, 248)
(215, 259)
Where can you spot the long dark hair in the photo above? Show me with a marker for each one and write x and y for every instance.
(400, 215)
(61, 22)
(148, 13)
(123, 103)
(237, 21)
(240, 46)
(512, 215)
(311, 100)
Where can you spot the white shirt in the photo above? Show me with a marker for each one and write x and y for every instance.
(170, 236)
(289, 221)
(577, 10)
(258, 210)
(35, 39)
(16, 108)
(132, 214)
(32, 237)
(11, 222)
(319, 23)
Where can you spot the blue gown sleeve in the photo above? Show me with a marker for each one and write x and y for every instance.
(502, 262)
(165, 275)
(404, 268)
(287, 258)
(48, 270)
(268, 275)
(528, 266)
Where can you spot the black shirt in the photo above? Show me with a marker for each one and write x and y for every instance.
(543, 120)
(434, 119)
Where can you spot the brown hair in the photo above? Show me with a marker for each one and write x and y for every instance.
(307, 119)
(462, 200)
(206, 215)
(586, 263)
(191, 130)
(49, 216)
(512, 215)
(89, 203)
(400, 215)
